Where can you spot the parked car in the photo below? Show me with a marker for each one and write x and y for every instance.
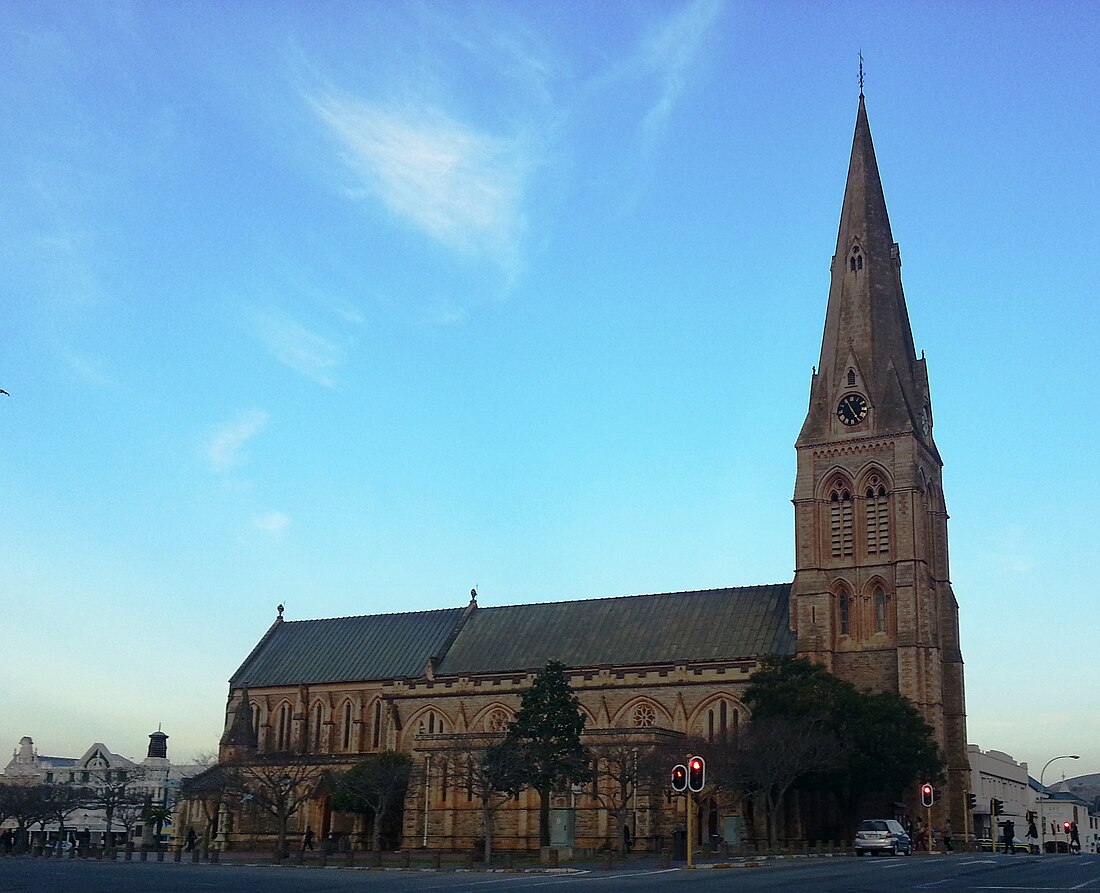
(882, 836)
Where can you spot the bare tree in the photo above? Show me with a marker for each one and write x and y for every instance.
(777, 752)
(114, 789)
(59, 801)
(620, 765)
(278, 786)
(487, 769)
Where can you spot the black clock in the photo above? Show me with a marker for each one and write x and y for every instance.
(852, 409)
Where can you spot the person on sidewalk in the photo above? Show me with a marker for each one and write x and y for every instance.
(307, 840)
(1009, 836)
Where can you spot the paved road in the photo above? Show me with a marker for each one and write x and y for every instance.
(961, 872)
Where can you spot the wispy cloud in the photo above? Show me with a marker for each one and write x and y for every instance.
(462, 187)
(272, 523)
(669, 53)
(296, 346)
(226, 443)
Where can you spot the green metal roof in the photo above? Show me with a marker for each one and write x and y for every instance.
(671, 627)
(666, 628)
(347, 649)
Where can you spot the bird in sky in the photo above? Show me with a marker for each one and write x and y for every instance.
(5, 393)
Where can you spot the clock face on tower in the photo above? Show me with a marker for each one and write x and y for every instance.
(852, 409)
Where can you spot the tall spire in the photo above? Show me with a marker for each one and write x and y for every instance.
(867, 345)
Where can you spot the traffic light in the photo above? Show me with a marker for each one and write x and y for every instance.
(971, 801)
(996, 807)
(927, 794)
(1065, 827)
(697, 774)
(679, 778)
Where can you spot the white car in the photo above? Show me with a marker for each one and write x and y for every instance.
(882, 836)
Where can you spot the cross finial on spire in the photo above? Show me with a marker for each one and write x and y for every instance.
(861, 73)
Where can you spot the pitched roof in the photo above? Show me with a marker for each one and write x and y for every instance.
(346, 649)
(669, 627)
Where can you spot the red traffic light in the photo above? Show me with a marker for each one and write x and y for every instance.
(679, 778)
(927, 794)
(1066, 826)
(697, 774)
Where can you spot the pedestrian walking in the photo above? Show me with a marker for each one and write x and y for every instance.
(307, 839)
(1009, 836)
(191, 838)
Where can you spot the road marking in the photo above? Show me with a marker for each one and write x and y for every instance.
(981, 862)
(1085, 884)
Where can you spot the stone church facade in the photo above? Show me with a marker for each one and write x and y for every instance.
(871, 599)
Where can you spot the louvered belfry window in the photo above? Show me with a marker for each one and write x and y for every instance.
(878, 518)
(840, 520)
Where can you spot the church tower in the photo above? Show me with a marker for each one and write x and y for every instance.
(871, 598)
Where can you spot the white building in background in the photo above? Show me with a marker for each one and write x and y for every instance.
(994, 775)
(155, 777)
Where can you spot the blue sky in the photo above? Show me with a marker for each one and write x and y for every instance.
(354, 306)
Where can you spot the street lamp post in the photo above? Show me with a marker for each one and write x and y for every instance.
(1042, 797)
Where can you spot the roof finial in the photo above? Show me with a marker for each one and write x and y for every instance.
(861, 74)
(279, 608)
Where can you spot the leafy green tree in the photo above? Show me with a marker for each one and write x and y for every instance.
(884, 743)
(546, 732)
(374, 786)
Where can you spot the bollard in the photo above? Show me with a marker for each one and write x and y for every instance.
(177, 854)
(160, 854)
(143, 855)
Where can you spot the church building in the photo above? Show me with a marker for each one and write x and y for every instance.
(871, 600)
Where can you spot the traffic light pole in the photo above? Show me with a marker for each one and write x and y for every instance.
(690, 801)
(966, 816)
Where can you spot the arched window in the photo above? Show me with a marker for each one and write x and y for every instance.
(282, 737)
(878, 516)
(710, 724)
(851, 378)
(645, 717)
(317, 728)
(844, 606)
(852, 263)
(880, 610)
(840, 519)
(347, 725)
(255, 710)
(376, 732)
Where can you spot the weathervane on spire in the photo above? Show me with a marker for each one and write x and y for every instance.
(861, 73)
